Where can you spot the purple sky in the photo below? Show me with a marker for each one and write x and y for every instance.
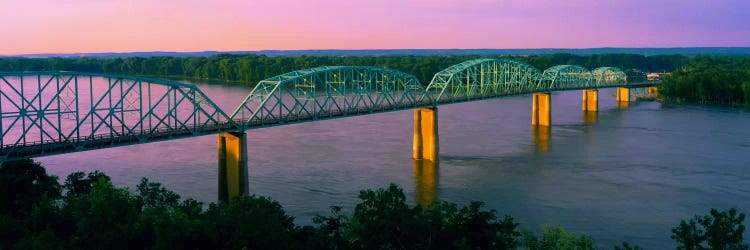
(65, 26)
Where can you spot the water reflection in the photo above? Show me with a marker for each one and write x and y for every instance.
(541, 138)
(589, 117)
(622, 105)
(425, 181)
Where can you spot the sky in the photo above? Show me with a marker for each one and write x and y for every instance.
(87, 26)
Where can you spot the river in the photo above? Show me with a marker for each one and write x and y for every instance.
(626, 174)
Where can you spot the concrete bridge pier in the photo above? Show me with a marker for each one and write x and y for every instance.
(426, 134)
(233, 175)
(541, 109)
(590, 100)
(623, 94)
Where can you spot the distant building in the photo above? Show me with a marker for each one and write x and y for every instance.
(653, 76)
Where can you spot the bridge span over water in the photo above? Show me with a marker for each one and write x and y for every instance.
(48, 113)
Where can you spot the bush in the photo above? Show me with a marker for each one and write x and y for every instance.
(556, 238)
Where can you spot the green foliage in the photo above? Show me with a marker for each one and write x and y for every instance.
(77, 184)
(710, 80)
(746, 91)
(383, 220)
(154, 195)
(330, 231)
(556, 238)
(104, 216)
(23, 184)
(627, 246)
(25, 192)
(717, 230)
(252, 222)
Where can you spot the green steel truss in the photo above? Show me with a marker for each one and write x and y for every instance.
(56, 112)
(609, 77)
(490, 78)
(44, 113)
(563, 77)
(482, 78)
(327, 92)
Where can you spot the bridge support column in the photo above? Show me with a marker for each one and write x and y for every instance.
(623, 95)
(540, 115)
(653, 91)
(426, 134)
(233, 175)
(590, 100)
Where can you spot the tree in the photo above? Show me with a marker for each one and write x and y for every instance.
(77, 183)
(556, 238)
(251, 222)
(105, 217)
(383, 220)
(717, 230)
(153, 194)
(27, 212)
(24, 184)
(627, 246)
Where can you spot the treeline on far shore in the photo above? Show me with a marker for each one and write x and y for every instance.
(710, 80)
(87, 211)
(250, 69)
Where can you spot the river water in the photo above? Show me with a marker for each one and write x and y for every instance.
(626, 174)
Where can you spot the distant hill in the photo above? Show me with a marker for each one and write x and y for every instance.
(384, 52)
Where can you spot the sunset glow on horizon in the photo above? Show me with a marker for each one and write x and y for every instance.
(83, 26)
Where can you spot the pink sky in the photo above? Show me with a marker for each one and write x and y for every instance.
(67, 26)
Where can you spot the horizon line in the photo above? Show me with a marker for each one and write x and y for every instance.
(372, 49)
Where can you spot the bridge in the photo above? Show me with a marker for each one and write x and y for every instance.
(48, 113)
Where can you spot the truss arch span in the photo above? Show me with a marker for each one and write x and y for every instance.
(608, 77)
(563, 77)
(327, 91)
(75, 111)
(482, 78)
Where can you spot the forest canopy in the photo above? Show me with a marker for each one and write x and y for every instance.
(710, 80)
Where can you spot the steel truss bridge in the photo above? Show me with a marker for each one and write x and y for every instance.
(48, 113)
